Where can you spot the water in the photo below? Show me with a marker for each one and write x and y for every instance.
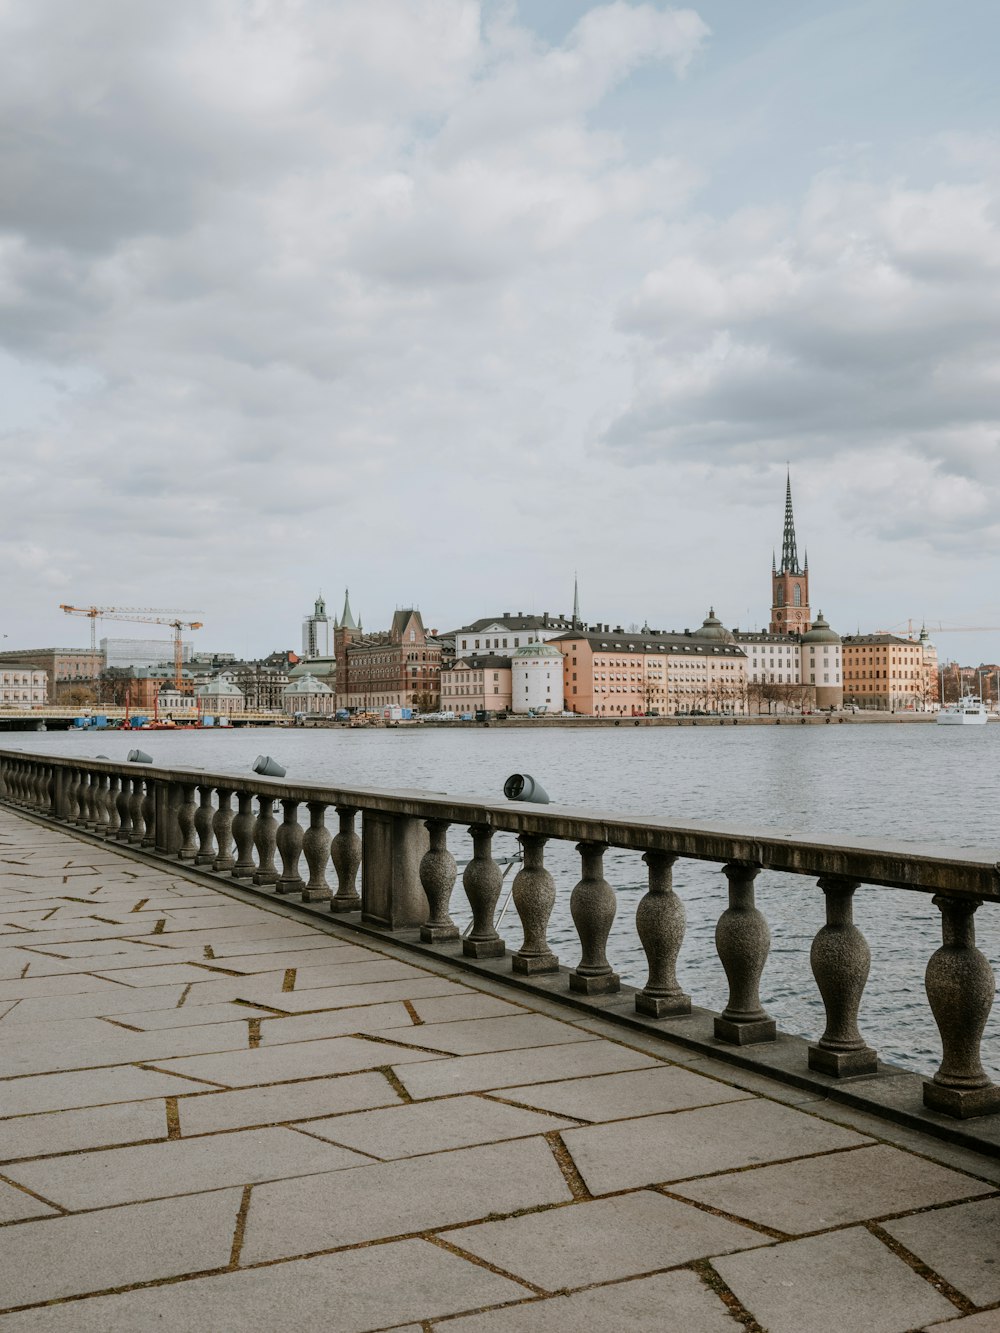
(893, 782)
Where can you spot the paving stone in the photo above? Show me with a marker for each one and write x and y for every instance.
(66, 1256)
(960, 1243)
(94, 1127)
(393, 1198)
(218, 989)
(331, 955)
(470, 1004)
(189, 1016)
(205, 1113)
(240, 946)
(178, 1166)
(372, 992)
(109, 1000)
(87, 949)
(159, 972)
(271, 929)
(986, 1322)
(16, 1206)
(121, 1047)
(348, 974)
(829, 1191)
(480, 1035)
(426, 1127)
(338, 1293)
(76, 983)
(613, 1096)
(364, 1018)
(603, 1240)
(842, 1282)
(665, 1303)
(297, 1060)
(478, 1073)
(87, 1087)
(662, 1148)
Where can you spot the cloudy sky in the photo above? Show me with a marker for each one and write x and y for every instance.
(444, 299)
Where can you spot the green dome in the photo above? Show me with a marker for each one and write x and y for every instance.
(713, 628)
(820, 632)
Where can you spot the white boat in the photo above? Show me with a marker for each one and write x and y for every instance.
(969, 711)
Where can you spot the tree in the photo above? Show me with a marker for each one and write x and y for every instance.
(425, 700)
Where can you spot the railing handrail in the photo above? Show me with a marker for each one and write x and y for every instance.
(914, 867)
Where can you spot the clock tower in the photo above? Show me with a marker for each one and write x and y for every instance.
(790, 612)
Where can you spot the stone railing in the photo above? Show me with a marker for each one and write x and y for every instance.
(227, 825)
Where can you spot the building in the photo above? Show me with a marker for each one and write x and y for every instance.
(23, 687)
(316, 641)
(124, 653)
(220, 698)
(177, 704)
(474, 683)
(789, 581)
(308, 695)
(629, 674)
(504, 634)
(887, 673)
(398, 667)
(262, 683)
(791, 670)
(69, 672)
(537, 679)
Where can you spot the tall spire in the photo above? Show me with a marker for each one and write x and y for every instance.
(347, 619)
(789, 556)
(576, 601)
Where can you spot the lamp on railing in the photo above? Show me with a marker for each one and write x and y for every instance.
(523, 787)
(139, 757)
(268, 767)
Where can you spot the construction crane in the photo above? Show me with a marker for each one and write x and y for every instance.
(941, 629)
(130, 614)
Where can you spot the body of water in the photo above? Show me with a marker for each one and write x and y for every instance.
(893, 782)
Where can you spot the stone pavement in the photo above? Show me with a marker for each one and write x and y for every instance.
(217, 1116)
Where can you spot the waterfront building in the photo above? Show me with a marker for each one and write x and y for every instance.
(505, 633)
(67, 670)
(221, 697)
(175, 703)
(482, 682)
(261, 683)
(308, 695)
(623, 673)
(791, 670)
(126, 653)
(398, 667)
(23, 687)
(537, 679)
(316, 631)
(884, 672)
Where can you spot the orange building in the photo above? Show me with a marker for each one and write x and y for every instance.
(887, 673)
(474, 683)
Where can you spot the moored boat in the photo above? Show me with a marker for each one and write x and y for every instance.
(969, 711)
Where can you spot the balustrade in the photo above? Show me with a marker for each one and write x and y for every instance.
(402, 866)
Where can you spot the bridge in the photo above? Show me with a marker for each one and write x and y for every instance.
(60, 717)
(235, 1095)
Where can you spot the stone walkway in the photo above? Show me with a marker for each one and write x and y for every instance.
(217, 1117)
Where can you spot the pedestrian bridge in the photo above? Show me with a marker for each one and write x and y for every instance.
(222, 1108)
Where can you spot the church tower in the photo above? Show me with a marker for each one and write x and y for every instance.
(790, 612)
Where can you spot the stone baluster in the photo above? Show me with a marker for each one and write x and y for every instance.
(482, 881)
(187, 810)
(203, 818)
(114, 815)
(345, 853)
(659, 923)
(102, 800)
(5, 767)
(149, 813)
(243, 834)
(222, 827)
(840, 960)
(137, 809)
(20, 775)
(592, 905)
(438, 872)
(743, 940)
(960, 989)
(27, 784)
(289, 843)
(316, 847)
(123, 801)
(73, 796)
(265, 840)
(534, 896)
(85, 818)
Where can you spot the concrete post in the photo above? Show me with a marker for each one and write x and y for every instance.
(743, 941)
(288, 840)
(265, 840)
(840, 960)
(222, 827)
(243, 831)
(659, 923)
(187, 810)
(438, 872)
(203, 818)
(391, 892)
(482, 881)
(316, 847)
(534, 896)
(167, 797)
(345, 853)
(592, 905)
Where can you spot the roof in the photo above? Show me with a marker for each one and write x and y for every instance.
(518, 622)
(820, 632)
(218, 687)
(490, 661)
(537, 650)
(867, 639)
(653, 643)
(307, 685)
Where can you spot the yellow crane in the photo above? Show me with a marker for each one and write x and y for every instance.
(132, 615)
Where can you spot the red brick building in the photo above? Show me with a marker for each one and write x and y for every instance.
(399, 666)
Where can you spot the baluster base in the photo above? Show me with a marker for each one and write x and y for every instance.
(530, 965)
(265, 877)
(843, 1064)
(437, 934)
(346, 902)
(605, 983)
(484, 948)
(745, 1033)
(662, 1006)
(204, 859)
(289, 886)
(315, 895)
(962, 1103)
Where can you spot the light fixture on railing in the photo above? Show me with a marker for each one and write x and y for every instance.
(139, 757)
(270, 768)
(523, 787)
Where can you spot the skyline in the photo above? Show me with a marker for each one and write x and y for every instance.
(446, 301)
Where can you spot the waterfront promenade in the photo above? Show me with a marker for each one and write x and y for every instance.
(217, 1115)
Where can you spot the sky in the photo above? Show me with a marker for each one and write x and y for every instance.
(445, 301)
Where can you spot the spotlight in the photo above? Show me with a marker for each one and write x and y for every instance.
(523, 787)
(269, 767)
(139, 757)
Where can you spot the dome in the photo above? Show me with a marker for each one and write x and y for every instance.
(713, 628)
(220, 689)
(537, 650)
(307, 685)
(820, 632)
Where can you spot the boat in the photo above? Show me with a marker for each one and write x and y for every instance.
(969, 711)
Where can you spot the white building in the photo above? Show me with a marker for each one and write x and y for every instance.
(220, 697)
(537, 678)
(505, 634)
(23, 687)
(316, 636)
(308, 695)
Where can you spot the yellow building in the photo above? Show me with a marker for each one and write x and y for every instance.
(886, 673)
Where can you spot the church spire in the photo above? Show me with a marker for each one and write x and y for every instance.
(347, 620)
(576, 601)
(789, 555)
